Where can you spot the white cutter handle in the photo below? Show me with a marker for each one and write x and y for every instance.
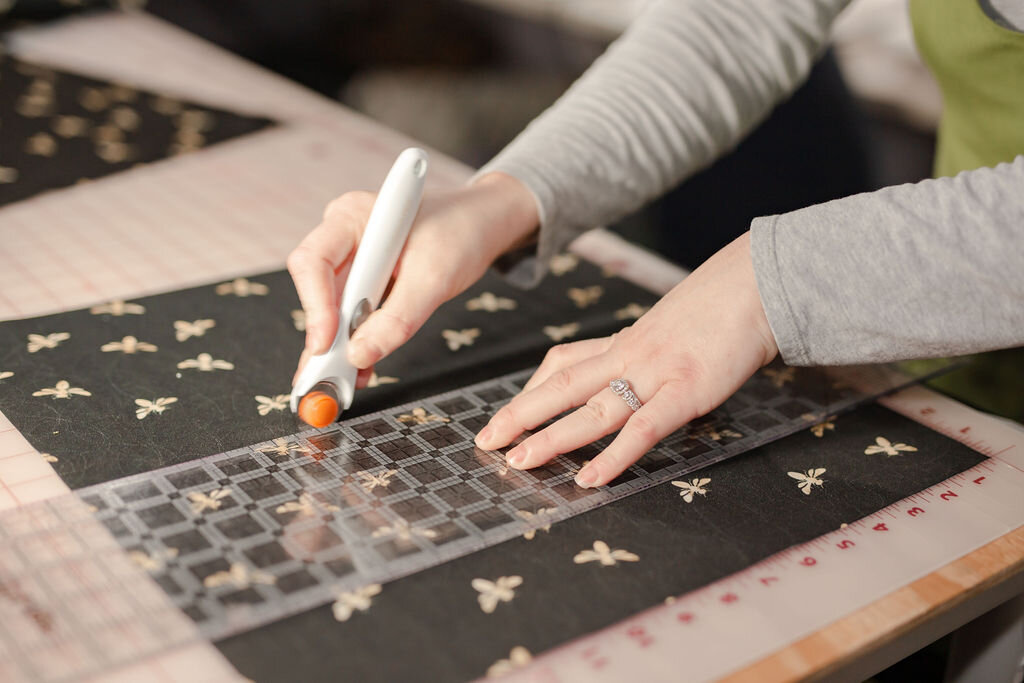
(386, 230)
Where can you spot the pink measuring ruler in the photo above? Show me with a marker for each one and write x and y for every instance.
(737, 621)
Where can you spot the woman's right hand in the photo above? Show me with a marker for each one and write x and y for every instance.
(455, 237)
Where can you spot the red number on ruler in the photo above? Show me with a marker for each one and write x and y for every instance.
(642, 638)
(594, 659)
(914, 512)
(808, 562)
(685, 617)
(979, 480)
(947, 495)
(845, 544)
(880, 527)
(927, 411)
(766, 580)
(965, 430)
(730, 598)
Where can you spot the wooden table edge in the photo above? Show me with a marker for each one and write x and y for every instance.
(874, 637)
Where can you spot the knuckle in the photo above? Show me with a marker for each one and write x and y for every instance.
(298, 261)
(561, 381)
(400, 327)
(595, 410)
(644, 428)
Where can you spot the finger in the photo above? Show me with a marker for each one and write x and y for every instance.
(601, 415)
(666, 412)
(564, 355)
(314, 265)
(410, 303)
(303, 359)
(363, 377)
(569, 387)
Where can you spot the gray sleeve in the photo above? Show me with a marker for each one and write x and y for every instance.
(683, 84)
(924, 270)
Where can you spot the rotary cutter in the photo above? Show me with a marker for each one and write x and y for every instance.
(326, 385)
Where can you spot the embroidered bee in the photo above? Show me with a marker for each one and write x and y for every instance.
(128, 344)
(63, 389)
(605, 555)
(543, 514)
(118, 308)
(376, 380)
(456, 339)
(493, 592)
(805, 481)
(184, 329)
(208, 501)
(779, 378)
(420, 416)
(50, 341)
(827, 424)
(585, 296)
(283, 446)
(306, 506)
(371, 481)
(154, 562)
(346, 604)
(157, 405)
(490, 303)
(269, 403)
(559, 332)
(204, 362)
(518, 658)
(41, 144)
(714, 434)
(239, 576)
(883, 445)
(560, 264)
(402, 531)
(692, 487)
(242, 287)
(631, 311)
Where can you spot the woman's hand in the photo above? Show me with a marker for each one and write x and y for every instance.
(455, 237)
(683, 358)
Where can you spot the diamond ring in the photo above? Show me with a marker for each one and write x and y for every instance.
(621, 388)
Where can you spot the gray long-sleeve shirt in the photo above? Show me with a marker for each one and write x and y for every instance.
(929, 269)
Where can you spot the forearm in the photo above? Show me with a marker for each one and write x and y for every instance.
(684, 84)
(913, 271)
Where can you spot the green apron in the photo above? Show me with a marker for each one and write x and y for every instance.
(979, 66)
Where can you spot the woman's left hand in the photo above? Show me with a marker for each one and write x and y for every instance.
(682, 359)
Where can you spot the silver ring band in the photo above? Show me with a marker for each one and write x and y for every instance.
(621, 388)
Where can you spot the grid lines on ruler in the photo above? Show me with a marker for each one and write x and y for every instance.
(71, 602)
(245, 537)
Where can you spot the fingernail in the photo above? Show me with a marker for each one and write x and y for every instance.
(586, 477)
(362, 353)
(517, 456)
(484, 437)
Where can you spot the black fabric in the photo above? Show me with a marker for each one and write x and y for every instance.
(101, 436)
(61, 128)
(429, 627)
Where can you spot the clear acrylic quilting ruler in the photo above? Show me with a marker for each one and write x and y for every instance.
(246, 537)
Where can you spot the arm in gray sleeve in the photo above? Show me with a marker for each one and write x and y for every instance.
(929, 269)
(683, 84)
